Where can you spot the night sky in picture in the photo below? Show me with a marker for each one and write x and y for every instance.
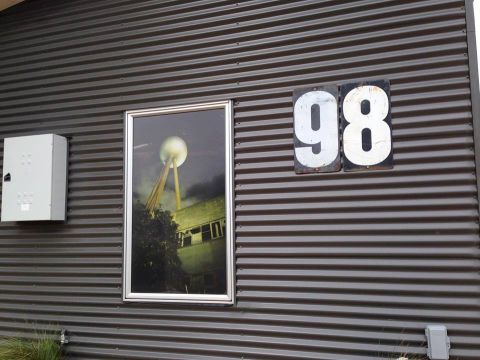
(201, 176)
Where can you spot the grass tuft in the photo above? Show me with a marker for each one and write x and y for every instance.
(41, 347)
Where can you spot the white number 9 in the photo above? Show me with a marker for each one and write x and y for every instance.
(381, 138)
(327, 134)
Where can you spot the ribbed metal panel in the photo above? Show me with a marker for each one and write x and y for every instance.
(329, 266)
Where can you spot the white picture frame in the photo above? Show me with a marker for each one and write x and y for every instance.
(128, 294)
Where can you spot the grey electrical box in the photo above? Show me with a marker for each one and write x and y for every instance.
(34, 178)
(438, 342)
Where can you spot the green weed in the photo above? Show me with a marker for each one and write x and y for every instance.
(41, 347)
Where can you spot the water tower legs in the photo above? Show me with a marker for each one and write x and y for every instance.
(177, 185)
(155, 196)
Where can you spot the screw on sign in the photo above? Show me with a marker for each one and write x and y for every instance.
(365, 116)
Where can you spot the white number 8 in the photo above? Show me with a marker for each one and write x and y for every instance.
(381, 139)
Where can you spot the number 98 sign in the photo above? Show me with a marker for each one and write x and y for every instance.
(365, 117)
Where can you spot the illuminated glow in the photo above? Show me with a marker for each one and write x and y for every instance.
(174, 148)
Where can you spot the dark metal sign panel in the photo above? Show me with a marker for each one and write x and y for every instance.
(366, 125)
(316, 138)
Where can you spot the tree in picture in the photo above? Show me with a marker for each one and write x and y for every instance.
(156, 266)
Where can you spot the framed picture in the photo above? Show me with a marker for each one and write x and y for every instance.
(178, 204)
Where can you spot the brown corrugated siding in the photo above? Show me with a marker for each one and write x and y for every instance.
(329, 266)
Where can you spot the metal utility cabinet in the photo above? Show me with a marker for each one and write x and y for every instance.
(34, 178)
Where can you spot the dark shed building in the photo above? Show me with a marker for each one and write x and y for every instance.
(328, 266)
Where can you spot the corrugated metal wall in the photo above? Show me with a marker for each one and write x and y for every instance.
(329, 266)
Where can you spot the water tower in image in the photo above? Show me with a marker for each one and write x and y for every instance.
(173, 154)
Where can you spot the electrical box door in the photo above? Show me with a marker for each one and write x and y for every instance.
(34, 178)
